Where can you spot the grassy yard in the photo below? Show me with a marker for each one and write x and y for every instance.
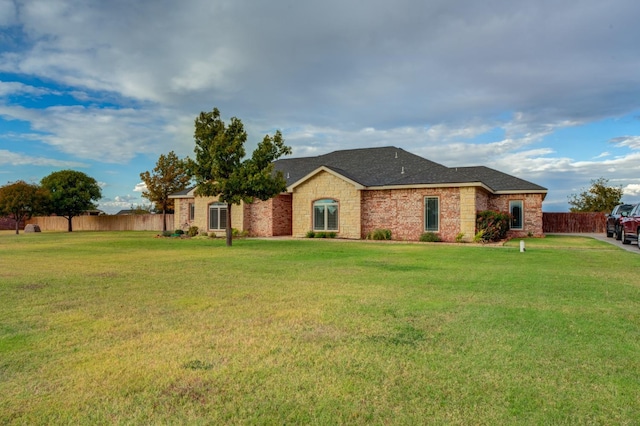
(109, 328)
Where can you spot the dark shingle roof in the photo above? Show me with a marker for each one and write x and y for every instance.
(183, 193)
(373, 167)
(499, 181)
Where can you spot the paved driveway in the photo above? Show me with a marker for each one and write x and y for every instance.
(633, 247)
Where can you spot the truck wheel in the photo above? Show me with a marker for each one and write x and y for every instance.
(625, 240)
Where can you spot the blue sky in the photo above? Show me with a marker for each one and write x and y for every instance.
(546, 91)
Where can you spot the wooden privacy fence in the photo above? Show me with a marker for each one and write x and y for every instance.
(137, 222)
(573, 222)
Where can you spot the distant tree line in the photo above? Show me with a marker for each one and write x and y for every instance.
(66, 193)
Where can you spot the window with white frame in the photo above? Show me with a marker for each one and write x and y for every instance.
(325, 215)
(431, 214)
(516, 211)
(217, 216)
(192, 211)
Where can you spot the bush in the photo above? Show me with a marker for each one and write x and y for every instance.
(167, 233)
(310, 234)
(493, 225)
(379, 234)
(321, 235)
(460, 237)
(236, 233)
(430, 237)
(332, 234)
(203, 234)
(193, 231)
(178, 232)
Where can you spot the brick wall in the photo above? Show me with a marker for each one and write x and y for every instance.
(402, 211)
(327, 185)
(260, 218)
(282, 215)
(532, 205)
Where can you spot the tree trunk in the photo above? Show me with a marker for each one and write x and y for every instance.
(70, 229)
(164, 220)
(229, 233)
(17, 227)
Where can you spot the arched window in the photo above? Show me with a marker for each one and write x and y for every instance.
(325, 215)
(217, 216)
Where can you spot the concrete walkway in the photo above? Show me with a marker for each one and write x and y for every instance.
(633, 247)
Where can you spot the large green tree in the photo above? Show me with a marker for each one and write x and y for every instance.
(600, 197)
(168, 176)
(71, 193)
(221, 170)
(20, 201)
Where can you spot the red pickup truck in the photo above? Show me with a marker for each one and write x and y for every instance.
(631, 226)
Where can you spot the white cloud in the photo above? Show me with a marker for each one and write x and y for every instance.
(461, 83)
(17, 159)
(632, 142)
(16, 88)
(632, 189)
(140, 187)
(103, 134)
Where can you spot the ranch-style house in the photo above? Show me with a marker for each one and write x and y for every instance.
(353, 192)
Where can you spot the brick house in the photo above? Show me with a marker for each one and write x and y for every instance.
(353, 192)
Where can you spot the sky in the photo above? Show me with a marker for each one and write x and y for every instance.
(544, 90)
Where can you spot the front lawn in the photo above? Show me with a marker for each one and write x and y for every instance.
(108, 328)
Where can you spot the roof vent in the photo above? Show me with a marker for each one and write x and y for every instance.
(402, 172)
(287, 175)
(396, 154)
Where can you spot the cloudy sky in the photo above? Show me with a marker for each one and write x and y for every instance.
(548, 91)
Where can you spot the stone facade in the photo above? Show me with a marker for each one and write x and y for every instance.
(181, 213)
(201, 215)
(327, 185)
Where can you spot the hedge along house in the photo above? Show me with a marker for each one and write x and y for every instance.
(353, 192)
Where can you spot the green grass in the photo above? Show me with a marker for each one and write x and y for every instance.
(125, 328)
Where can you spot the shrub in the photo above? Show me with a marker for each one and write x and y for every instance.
(430, 237)
(332, 234)
(236, 233)
(460, 237)
(178, 232)
(321, 235)
(167, 233)
(203, 234)
(379, 234)
(310, 234)
(494, 225)
(193, 231)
